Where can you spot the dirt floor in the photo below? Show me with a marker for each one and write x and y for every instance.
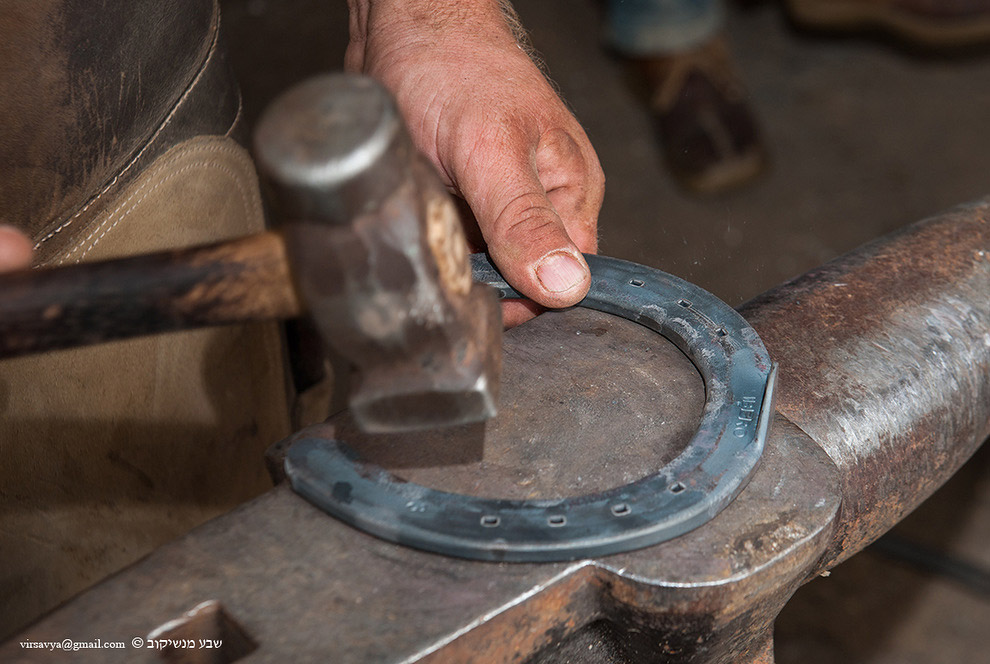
(865, 137)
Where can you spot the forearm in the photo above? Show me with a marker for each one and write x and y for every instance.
(439, 24)
(492, 20)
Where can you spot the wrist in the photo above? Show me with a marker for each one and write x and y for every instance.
(448, 25)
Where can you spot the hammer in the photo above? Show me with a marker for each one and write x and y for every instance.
(371, 248)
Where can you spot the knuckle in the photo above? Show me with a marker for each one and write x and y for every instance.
(526, 214)
(533, 226)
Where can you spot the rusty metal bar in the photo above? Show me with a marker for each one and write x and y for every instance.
(885, 363)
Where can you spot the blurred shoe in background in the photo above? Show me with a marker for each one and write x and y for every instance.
(709, 136)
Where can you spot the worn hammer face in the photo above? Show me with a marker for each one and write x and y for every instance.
(380, 258)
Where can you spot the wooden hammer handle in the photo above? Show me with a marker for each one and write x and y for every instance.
(239, 280)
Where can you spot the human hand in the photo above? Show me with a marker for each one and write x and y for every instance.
(496, 131)
(15, 249)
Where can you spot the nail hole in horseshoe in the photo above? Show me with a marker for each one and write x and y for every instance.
(621, 509)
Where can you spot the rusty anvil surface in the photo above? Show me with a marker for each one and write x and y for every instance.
(883, 393)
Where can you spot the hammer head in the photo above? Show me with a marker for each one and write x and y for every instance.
(379, 256)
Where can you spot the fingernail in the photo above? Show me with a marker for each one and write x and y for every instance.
(560, 272)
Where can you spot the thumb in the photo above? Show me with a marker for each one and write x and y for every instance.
(526, 238)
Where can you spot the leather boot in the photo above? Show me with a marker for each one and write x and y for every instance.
(708, 133)
(120, 131)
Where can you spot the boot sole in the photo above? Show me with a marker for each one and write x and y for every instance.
(853, 14)
(727, 176)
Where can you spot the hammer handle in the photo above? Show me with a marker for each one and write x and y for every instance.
(240, 280)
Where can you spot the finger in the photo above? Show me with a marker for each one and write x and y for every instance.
(575, 184)
(525, 235)
(516, 312)
(532, 249)
(15, 249)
